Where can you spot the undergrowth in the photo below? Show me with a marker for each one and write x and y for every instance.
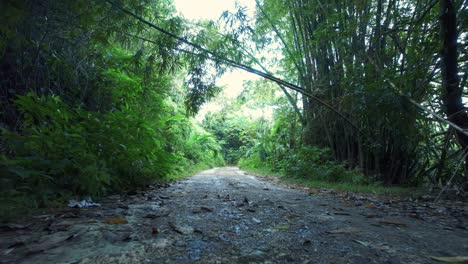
(65, 149)
(312, 167)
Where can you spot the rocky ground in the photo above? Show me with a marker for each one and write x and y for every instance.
(224, 215)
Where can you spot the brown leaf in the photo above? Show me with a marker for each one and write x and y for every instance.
(292, 216)
(115, 236)
(157, 215)
(206, 209)
(338, 213)
(116, 221)
(391, 223)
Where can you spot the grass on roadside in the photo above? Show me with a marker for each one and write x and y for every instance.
(339, 186)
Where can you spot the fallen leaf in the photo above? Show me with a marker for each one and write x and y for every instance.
(206, 209)
(123, 206)
(366, 244)
(153, 216)
(313, 191)
(116, 220)
(13, 226)
(64, 223)
(346, 230)
(8, 251)
(338, 213)
(281, 227)
(292, 216)
(115, 237)
(456, 259)
(391, 223)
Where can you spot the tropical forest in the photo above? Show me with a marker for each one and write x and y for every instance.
(233, 131)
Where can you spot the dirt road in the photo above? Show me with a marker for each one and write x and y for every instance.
(224, 215)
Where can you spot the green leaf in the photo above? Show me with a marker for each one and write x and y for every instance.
(456, 259)
(176, 118)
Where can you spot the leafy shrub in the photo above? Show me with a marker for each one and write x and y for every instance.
(64, 151)
(310, 163)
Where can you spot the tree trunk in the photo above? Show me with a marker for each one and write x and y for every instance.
(452, 92)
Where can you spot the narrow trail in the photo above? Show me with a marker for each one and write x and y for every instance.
(224, 215)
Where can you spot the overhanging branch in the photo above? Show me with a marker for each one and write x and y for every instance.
(216, 57)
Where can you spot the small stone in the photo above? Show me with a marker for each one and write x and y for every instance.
(182, 229)
(256, 220)
(180, 244)
(254, 256)
(160, 243)
(155, 230)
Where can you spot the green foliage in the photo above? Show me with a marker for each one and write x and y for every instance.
(63, 150)
(202, 147)
(309, 163)
(235, 134)
(96, 113)
(349, 60)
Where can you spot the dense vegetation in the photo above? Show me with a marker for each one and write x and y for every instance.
(370, 85)
(85, 109)
(97, 96)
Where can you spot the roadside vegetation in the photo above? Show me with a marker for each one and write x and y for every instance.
(87, 111)
(98, 97)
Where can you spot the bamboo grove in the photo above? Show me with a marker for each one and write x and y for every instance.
(350, 53)
(390, 67)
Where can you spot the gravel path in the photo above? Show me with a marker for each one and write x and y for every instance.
(224, 215)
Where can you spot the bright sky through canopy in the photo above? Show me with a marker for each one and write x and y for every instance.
(212, 10)
(203, 9)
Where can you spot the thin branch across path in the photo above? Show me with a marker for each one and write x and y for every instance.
(217, 57)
